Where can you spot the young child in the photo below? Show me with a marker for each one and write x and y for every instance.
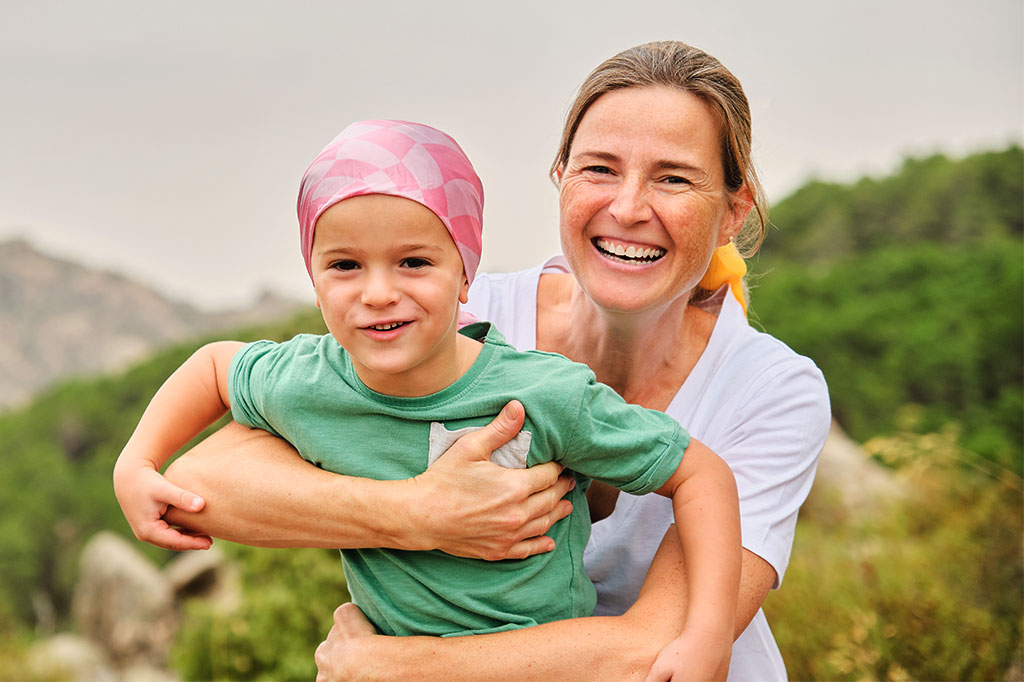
(390, 218)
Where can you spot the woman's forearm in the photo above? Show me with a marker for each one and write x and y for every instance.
(586, 649)
(613, 649)
(259, 491)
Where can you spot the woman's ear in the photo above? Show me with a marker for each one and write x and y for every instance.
(740, 203)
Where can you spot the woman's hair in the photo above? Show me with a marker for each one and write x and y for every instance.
(678, 65)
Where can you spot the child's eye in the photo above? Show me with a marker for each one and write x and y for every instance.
(415, 262)
(344, 265)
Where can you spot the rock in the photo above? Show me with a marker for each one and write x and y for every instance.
(848, 475)
(207, 574)
(69, 657)
(124, 603)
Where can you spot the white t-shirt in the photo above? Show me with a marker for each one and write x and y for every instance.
(752, 400)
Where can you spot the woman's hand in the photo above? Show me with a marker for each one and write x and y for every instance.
(477, 509)
(338, 658)
(693, 656)
(144, 496)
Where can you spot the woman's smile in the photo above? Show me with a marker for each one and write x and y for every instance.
(627, 252)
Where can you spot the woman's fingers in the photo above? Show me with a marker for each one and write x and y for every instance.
(479, 445)
(338, 657)
(547, 506)
(352, 622)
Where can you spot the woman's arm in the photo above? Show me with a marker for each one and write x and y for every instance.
(258, 491)
(585, 649)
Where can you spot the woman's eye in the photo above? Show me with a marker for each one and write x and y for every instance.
(344, 265)
(603, 170)
(675, 180)
(415, 262)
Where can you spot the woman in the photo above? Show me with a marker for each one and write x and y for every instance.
(655, 178)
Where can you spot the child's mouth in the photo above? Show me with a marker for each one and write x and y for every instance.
(627, 254)
(386, 327)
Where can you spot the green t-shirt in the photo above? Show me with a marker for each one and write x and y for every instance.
(306, 391)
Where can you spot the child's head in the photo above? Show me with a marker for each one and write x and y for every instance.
(390, 217)
(400, 159)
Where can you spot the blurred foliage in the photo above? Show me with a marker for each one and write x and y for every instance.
(906, 291)
(932, 325)
(927, 586)
(55, 476)
(288, 601)
(14, 642)
(934, 199)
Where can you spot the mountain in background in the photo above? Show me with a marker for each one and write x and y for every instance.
(61, 318)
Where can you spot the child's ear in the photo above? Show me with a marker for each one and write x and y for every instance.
(464, 291)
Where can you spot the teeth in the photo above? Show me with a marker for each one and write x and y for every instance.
(386, 327)
(630, 252)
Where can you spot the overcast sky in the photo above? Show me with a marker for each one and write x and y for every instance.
(166, 140)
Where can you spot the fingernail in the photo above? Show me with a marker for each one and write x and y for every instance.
(196, 502)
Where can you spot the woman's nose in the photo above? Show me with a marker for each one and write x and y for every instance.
(630, 204)
(379, 290)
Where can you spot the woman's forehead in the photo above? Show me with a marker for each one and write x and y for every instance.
(667, 126)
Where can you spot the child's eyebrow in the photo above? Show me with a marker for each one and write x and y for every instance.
(332, 250)
(417, 246)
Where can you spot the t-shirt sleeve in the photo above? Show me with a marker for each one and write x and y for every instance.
(249, 377)
(626, 446)
(773, 452)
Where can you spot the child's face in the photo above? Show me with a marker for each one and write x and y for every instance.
(388, 281)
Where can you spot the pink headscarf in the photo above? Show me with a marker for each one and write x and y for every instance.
(401, 159)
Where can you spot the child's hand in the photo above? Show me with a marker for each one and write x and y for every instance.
(693, 656)
(144, 496)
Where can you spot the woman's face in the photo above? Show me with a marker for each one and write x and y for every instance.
(642, 197)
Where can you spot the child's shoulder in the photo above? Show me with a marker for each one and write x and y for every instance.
(300, 346)
(553, 370)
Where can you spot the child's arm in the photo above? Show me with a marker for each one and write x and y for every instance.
(191, 399)
(707, 516)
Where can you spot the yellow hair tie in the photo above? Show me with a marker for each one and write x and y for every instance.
(727, 266)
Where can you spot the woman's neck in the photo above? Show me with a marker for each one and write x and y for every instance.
(644, 356)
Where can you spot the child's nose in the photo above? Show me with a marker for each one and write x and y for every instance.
(379, 290)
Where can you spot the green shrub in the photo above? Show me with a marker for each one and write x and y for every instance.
(927, 588)
(935, 326)
(288, 601)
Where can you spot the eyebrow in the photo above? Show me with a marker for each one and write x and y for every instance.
(355, 251)
(661, 164)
